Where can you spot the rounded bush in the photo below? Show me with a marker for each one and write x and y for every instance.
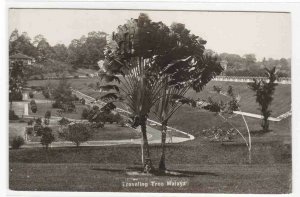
(17, 142)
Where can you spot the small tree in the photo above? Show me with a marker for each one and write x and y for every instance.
(78, 133)
(17, 142)
(264, 91)
(33, 106)
(47, 117)
(31, 94)
(47, 137)
(225, 109)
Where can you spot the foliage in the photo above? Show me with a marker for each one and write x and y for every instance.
(62, 92)
(87, 50)
(82, 101)
(48, 114)
(47, 137)
(30, 122)
(29, 130)
(32, 102)
(218, 134)
(12, 115)
(78, 133)
(33, 106)
(64, 121)
(31, 94)
(17, 142)
(150, 56)
(85, 113)
(264, 91)
(17, 80)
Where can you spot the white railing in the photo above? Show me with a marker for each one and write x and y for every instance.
(246, 79)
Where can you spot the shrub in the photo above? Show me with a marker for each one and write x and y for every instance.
(16, 96)
(78, 133)
(29, 130)
(57, 104)
(32, 102)
(17, 142)
(48, 114)
(64, 121)
(30, 122)
(47, 137)
(34, 108)
(46, 121)
(31, 94)
(117, 118)
(97, 125)
(82, 101)
(85, 113)
(12, 115)
(46, 93)
(122, 123)
(38, 121)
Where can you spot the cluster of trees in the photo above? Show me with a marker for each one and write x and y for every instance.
(248, 65)
(83, 52)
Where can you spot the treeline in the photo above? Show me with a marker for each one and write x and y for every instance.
(84, 52)
(248, 65)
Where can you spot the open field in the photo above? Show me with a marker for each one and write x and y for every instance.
(223, 170)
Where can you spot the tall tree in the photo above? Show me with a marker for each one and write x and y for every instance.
(264, 91)
(145, 57)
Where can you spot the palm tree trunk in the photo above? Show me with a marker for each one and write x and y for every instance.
(148, 167)
(162, 163)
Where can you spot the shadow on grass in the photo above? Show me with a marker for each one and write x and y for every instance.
(172, 173)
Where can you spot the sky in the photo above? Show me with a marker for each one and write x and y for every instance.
(263, 34)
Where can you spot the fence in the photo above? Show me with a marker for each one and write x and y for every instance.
(245, 79)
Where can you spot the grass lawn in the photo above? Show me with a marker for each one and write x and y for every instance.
(214, 167)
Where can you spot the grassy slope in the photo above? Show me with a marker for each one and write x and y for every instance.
(280, 105)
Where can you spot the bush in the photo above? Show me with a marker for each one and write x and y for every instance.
(17, 142)
(64, 121)
(29, 130)
(30, 122)
(78, 133)
(46, 93)
(75, 98)
(85, 113)
(48, 114)
(16, 96)
(12, 115)
(97, 125)
(32, 102)
(31, 94)
(46, 121)
(57, 105)
(82, 101)
(38, 121)
(34, 108)
(47, 137)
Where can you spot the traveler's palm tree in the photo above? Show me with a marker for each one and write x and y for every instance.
(145, 58)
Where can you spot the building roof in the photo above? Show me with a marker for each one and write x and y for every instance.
(20, 56)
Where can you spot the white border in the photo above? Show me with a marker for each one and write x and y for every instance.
(217, 5)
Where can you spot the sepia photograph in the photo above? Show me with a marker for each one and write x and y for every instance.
(151, 101)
